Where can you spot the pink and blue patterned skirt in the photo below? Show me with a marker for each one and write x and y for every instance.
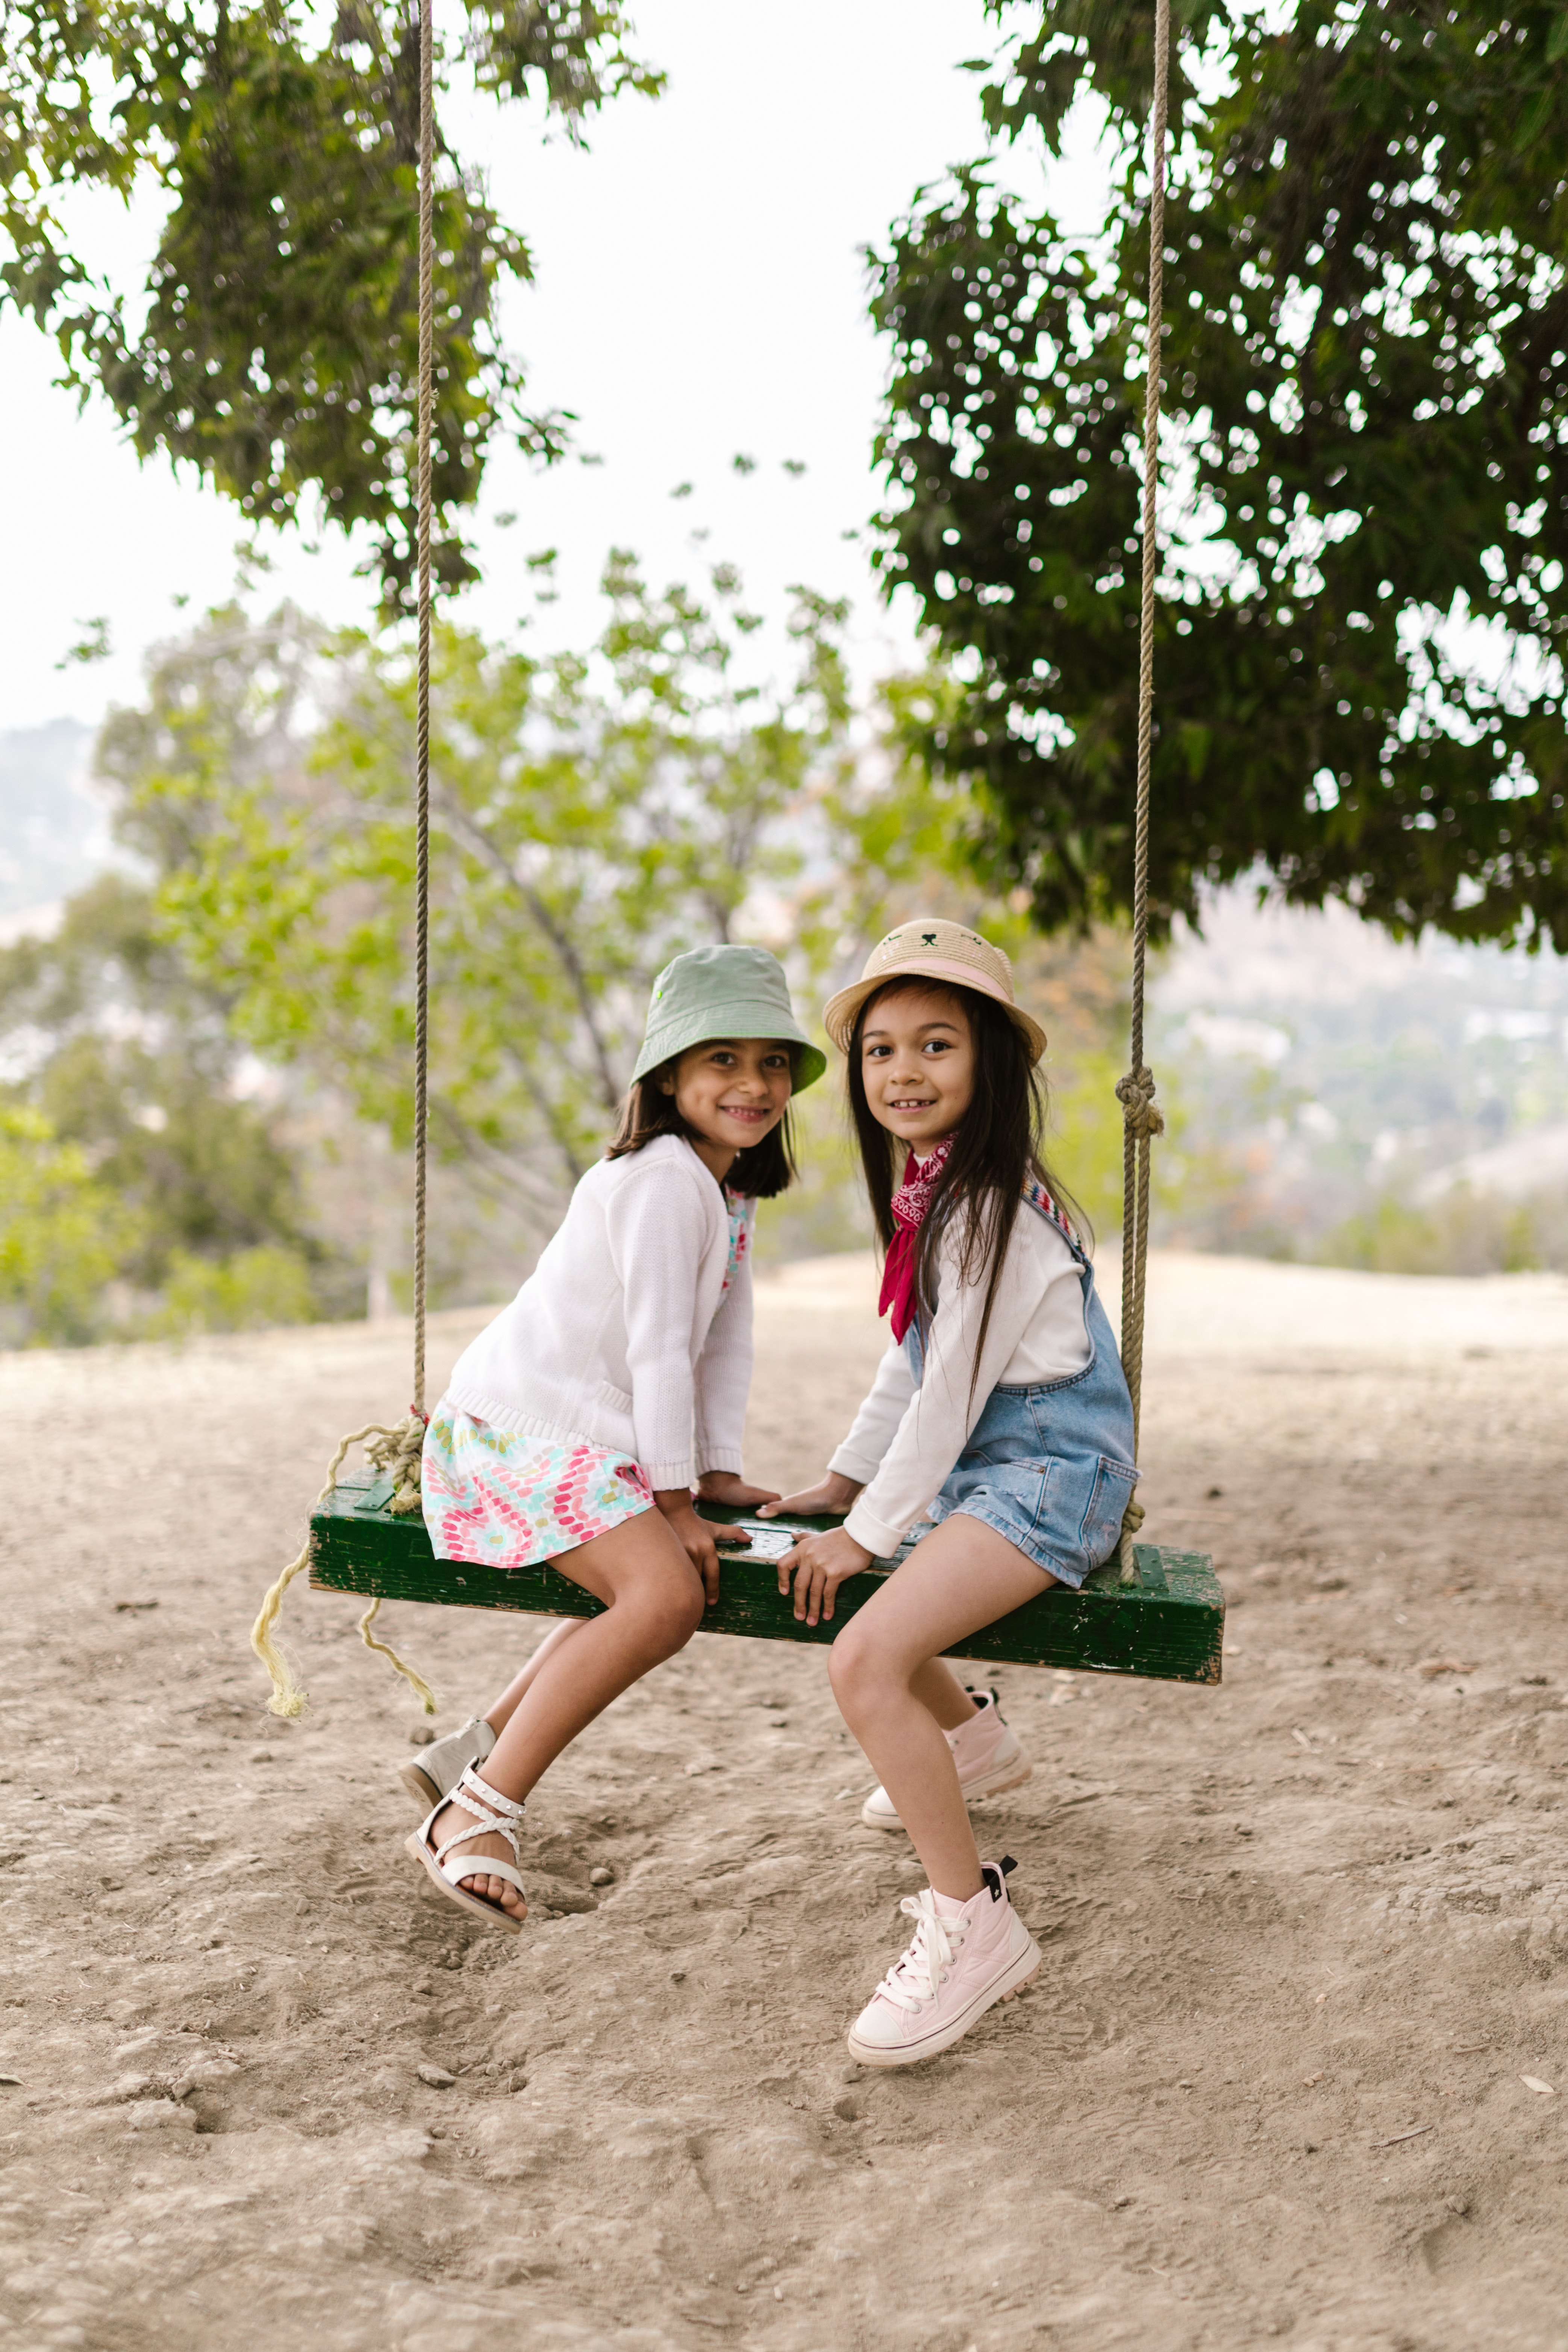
(509, 1501)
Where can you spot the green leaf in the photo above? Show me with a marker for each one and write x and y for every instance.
(277, 349)
(1365, 500)
(592, 814)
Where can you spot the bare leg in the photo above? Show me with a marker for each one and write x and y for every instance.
(655, 1603)
(962, 1577)
(941, 1694)
(499, 1715)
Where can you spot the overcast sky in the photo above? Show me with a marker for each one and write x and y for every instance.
(700, 292)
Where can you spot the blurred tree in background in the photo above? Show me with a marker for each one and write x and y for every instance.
(1365, 462)
(124, 1071)
(275, 345)
(61, 1235)
(227, 1045)
(592, 814)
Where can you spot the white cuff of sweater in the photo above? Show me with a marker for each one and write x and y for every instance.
(859, 1466)
(662, 1475)
(718, 1458)
(879, 1540)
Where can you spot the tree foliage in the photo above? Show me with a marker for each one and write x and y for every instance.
(1365, 464)
(592, 814)
(123, 1070)
(61, 1233)
(275, 345)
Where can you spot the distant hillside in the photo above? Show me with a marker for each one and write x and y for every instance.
(54, 827)
(1341, 1072)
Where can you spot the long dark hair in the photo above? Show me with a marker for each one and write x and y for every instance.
(994, 1151)
(757, 1173)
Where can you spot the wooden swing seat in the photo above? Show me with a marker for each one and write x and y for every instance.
(1168, 1625)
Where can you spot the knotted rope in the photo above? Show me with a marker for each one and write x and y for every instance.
(396, 1451)
(389, 1448)
(1140, 1120)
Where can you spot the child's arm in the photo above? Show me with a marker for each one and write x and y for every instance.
(960, 1374)
(695, 1536)
(724, 1383)
(871, 1432)
(819, 1564)
(906, 1462)
(655, 1228)
(832, 1494)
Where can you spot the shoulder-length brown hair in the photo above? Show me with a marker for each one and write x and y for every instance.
(757, 1173)
(995, 1149)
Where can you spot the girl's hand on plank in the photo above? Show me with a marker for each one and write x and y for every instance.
(696, 1538)
(725, 1487)
(831, 1492)
(818, 1566)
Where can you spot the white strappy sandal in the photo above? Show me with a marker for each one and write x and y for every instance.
(496, 1813)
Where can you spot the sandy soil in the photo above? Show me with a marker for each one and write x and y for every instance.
(1284, 2075)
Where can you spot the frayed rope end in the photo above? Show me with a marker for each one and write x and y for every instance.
(288, 1698)
(415, 1680)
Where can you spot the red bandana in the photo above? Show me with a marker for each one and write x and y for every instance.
(910, 1204)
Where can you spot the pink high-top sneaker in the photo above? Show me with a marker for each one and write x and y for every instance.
(989, 1756)
(964, 1957)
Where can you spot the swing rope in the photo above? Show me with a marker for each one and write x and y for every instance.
(1141, 1121)
(422, 753)
(396, 1450)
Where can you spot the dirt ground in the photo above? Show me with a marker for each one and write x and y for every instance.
(1297, 2065)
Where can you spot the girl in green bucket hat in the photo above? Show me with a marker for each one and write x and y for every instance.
(573, 1427)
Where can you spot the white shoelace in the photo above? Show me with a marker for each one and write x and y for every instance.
(915, 1979)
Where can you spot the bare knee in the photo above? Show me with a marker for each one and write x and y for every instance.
(855, 1668)
(665, 1614)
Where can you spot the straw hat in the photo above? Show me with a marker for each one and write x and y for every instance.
(934, 949)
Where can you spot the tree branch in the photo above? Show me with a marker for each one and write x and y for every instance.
(461, 822)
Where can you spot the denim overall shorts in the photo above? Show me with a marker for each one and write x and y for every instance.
(1049, 1466)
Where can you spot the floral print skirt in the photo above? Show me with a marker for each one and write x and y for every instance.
(510, 1501)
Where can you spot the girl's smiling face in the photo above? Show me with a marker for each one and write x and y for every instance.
(917, 1063)
(730, 1091)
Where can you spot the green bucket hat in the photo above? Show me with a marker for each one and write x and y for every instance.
(724, 992)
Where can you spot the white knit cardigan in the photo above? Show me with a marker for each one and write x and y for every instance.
(624, 1333)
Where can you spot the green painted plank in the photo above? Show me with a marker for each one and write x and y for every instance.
(1169, 1625)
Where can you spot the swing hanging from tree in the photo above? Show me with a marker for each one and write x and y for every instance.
(1152, 1611)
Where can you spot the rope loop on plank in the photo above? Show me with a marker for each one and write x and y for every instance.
(399, 1451)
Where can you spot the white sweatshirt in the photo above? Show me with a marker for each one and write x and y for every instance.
(905, 1439)
(623, 1334)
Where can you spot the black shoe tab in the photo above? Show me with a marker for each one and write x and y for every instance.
(995, 1872)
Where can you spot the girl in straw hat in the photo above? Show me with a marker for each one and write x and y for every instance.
(571, 1429)
(999, 1411)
